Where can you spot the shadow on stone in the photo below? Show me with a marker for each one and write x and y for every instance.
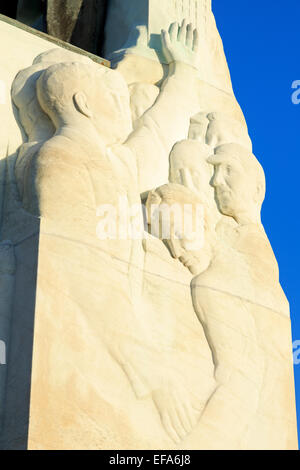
(22, 230)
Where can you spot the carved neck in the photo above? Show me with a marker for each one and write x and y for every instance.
(249, 217)
(85, 136)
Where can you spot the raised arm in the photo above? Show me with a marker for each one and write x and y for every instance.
(167, 121)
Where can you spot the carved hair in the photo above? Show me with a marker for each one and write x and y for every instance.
(173, 193)
(58, 84)
(190, 154)
(23, 92)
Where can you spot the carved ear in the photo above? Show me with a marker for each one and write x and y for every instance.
(81, 104)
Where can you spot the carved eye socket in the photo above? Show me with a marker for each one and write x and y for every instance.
(228, 169)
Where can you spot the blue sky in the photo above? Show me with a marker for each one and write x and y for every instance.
(261, 44)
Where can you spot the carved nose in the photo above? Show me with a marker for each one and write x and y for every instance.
(214, 182)
(217, 179)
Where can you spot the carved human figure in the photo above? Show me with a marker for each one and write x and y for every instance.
(37, 125)
(96, 101)
(94, 158)
(188, 159)
(190, 237)
(189, 167)
(233, 293)
(142, 98)
(94, 152)
(176, 208)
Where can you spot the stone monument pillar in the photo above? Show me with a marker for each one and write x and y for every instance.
(126, 19)
(139, 292)
(132, 32)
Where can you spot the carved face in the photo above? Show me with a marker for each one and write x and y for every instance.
(231, 185)
(68, 89)
(181, 249)
(177, 216)
(189, 167)
(239, 183)
(187, 244)
(112, 114)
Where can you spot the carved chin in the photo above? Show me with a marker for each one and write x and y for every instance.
(194, 269)
(225, 211)
(224, 206)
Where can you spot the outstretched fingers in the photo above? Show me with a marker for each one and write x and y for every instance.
(166, 39)
(173, 31)
(196, 40)
(189, 35)
(182, 32)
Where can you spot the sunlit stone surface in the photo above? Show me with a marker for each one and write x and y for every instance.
(139, 339)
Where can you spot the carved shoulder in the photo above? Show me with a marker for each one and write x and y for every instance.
(54, 175)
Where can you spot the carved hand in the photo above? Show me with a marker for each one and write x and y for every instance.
(181, 44)
(179, 410)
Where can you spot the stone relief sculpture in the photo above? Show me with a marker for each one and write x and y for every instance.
(36, 124)
(239, 188)
(179, 53)
(89, 109)
(151, 341)
(229, 310)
